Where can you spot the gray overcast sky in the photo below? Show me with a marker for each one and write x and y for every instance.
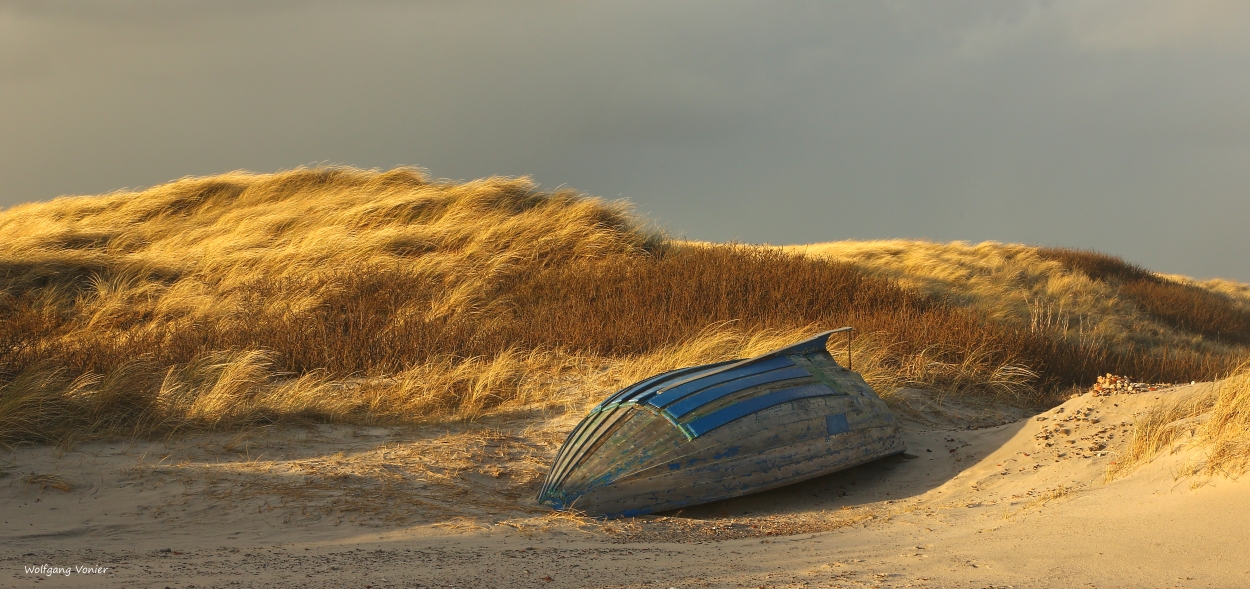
(1116, 125)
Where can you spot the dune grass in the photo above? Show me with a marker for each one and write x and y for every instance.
(1217, 419)
(342, 295)
(1226, 433)
(1158, 428)
(1183, 306)
(1076, 295)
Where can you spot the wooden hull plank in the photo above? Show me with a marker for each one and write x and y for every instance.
(747, 407)
(776, 427)
(775, 468)
(624, 454)
(598, 435)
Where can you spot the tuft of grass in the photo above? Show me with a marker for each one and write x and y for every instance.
(1217, 419)
(1226, 434)
(1158, 428)
(46, 481)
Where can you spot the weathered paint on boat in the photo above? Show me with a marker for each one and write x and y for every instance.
(721, 430)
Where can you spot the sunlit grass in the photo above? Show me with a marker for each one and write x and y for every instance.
(349, 296)
(1216, 419)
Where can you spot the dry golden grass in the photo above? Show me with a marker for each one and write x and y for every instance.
(1237, 292)
(349, 296)
(226, 390)
(49, 481)
(1217, 420)
(1084, 297)
(1006, 282)
(1183, 306)
(1158, 429)
(102, 276)
(1226, 434)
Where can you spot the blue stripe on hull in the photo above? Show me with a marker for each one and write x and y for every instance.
(676, 393)
(709, 395)
(747, 407)
(645, 386)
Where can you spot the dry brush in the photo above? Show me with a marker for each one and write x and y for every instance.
(342, 295)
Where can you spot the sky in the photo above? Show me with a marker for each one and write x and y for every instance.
(1115, 125)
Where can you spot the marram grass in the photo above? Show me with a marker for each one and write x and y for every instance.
(342, 295)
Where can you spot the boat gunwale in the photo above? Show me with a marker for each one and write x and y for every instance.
(816, 343)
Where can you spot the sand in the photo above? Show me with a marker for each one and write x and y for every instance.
(987, 500)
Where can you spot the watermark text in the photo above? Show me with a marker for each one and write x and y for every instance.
(48, 570)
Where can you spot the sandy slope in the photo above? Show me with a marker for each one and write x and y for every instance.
(986, 506)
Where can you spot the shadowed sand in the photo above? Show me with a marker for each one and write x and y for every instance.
(986, 502)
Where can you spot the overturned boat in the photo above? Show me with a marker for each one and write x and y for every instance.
(721, 430)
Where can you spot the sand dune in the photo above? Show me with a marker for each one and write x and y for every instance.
(989, 500)
(477, 321)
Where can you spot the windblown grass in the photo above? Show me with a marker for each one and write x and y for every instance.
(1081, 296)
(1217, 419)
(343, 295)
(1184, 306)
(1158, 428)
(1226, 434)
(46, 481)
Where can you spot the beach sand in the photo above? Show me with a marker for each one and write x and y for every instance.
(983, 499)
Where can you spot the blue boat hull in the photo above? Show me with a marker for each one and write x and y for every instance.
(722, 430)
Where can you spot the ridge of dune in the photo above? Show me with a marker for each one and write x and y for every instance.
(1023, 285)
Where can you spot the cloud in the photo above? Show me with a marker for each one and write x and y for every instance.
(1156, 24)
(762, 121)
(1108, 26)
